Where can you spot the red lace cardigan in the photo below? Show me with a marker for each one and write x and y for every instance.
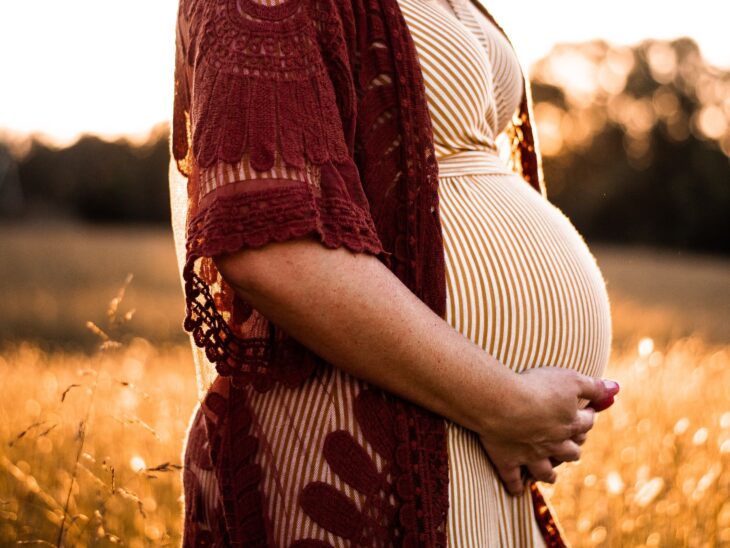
(298, 88)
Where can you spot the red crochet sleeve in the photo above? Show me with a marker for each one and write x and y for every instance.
(263, 130)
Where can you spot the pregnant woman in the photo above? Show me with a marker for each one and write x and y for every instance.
(395, 334)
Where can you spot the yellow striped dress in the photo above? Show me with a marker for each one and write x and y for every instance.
(521, 282)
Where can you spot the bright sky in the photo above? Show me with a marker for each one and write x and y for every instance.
(106, 67)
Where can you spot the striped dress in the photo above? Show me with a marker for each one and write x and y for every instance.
(521, 282)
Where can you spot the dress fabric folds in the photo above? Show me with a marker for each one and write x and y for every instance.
(521, 281)
(308, 118)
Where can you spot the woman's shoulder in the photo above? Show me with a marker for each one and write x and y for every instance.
(256, 76)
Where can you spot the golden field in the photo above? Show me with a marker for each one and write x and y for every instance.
(92, 439)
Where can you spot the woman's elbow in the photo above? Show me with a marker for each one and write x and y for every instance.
(253, 269)
(242, 269)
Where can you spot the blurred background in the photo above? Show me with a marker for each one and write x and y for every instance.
(632, 102)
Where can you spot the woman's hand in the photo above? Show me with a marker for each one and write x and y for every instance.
(526, 470)
(542, 423)
(578, 438)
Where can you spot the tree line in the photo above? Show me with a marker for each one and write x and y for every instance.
(653, 166)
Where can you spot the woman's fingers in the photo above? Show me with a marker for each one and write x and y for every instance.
(594, 389)
(567, 451)
(512, 478)
(599, 392)
(542, 470)
(584, 422)
(580, 438)
(507, 467)
(602, 404)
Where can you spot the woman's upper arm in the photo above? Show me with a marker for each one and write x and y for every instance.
(260, 136)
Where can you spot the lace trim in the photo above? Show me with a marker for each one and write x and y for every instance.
(252, 220)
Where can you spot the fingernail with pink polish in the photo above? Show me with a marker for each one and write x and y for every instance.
(612, 386)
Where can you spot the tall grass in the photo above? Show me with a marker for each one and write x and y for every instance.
(91, 443)
(655, 470)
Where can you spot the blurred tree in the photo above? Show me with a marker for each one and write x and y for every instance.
(11, 194)
(96, 180)
(635, 141)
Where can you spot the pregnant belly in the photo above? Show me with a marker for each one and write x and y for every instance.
(521, 281)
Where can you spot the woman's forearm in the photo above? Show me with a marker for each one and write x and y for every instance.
(355, 313)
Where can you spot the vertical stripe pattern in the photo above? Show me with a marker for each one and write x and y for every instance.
(521, 281)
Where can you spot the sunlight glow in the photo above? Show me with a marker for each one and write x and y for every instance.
(700, 436)
(576, 72)
(85, 65)
(662, 62)
(137, 463)
(648, 492)
(712, 122)
(549, 119)
(107, 67)
(681, 426)
(614, 483)
(646, 346)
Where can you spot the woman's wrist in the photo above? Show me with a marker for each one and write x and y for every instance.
(496, 413)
